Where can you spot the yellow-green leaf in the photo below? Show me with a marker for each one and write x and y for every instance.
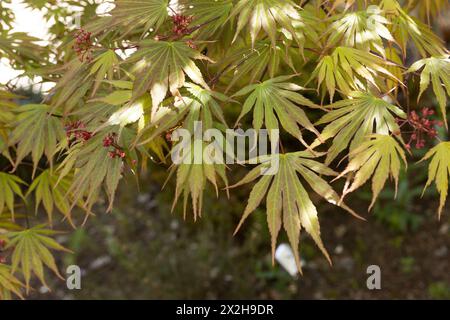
(439, 170)
(352, 120)
(379, 158)
(31, 251)
(436, 69)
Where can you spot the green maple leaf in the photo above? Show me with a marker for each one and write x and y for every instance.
(352, 120)
(38, 132)
(363, 30)
(9, 284)
(92, 169)
(214, 16)
(436, 69)
(277, 97)
(378, 158)
(267, 15)
(199, 105)
(52, 192)
(132, 13)
(405, 27)
(103, 65)
(349, 69)
(31, 252)
(250, 64)
(438, 170)
(9, 186)
(162, 66)
(288, 203)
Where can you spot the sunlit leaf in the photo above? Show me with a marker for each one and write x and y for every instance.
(350, 69)
(436, 70)
(439, 170)
(267, 15)
(352, 120)
(379, 158)
(364, 30)
(161, 66)
(31, 251)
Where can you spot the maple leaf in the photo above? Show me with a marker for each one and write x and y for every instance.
(195, 104)
(288, 203)
(191, 180)
(92, 168)
(405, 27)
(31, 252)
(250, 64)
(436, 69)
(438, 170)
(132, 13)
(9, 283)
(161, 66)
(9, 186)
(378, 158)
(214, 16)
(275, 96)
(71, 88)
(52, 191)
(363, 30)
(266, 15)
(352, 120)
(38, 132)
(103, 65)
(351, 69)
(200, 106)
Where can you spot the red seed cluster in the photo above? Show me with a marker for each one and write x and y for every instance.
(83, 45)
(111, 141)
(117, 154)
(181, 24)
(78, 131)
(422, 127)
(191, 44)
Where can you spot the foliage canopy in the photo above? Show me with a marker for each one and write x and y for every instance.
(335, 77)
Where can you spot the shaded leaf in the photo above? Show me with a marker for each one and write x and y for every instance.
(277, 97)
(9, 187)
(288, 203)
(38, 132)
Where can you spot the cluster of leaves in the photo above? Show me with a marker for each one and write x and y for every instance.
(128, 78)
